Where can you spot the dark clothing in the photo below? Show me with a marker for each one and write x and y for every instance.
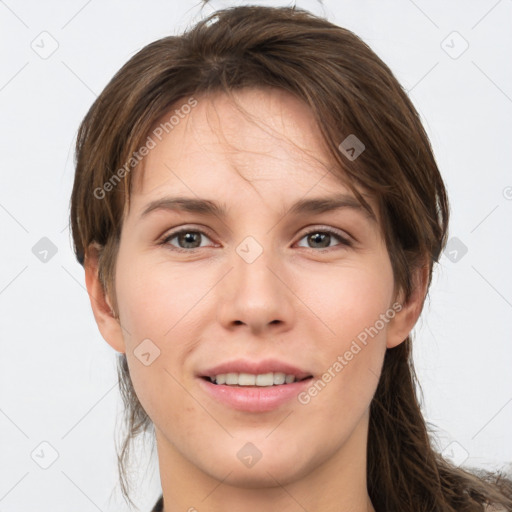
(159, 505)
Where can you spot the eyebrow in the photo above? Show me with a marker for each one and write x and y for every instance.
(207, 207)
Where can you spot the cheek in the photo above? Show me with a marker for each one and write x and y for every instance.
(341, 394)
(354, 306)
(349, 300)
(155, 297)
(156, 304)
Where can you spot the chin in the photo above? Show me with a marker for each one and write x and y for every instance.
(259, 476)
(275, 466)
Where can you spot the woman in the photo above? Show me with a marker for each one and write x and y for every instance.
(258, 210)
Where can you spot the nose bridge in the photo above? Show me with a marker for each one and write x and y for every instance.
(254, 292)
(255, 282)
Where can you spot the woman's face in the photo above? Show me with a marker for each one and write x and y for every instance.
(308, 291)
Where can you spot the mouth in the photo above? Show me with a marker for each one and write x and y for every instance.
(253, 394)
(246, 372)
(262, 380)
(254, 386)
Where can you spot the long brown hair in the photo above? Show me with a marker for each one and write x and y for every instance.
(350, 91)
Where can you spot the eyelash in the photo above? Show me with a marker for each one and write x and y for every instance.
(343, 241)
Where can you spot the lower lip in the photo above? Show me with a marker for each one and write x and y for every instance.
(254, 399)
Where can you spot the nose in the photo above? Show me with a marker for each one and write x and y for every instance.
(257, 296)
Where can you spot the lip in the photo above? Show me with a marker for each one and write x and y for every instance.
(253, 398)
(256, 368)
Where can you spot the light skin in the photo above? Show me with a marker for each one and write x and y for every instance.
(302, 301)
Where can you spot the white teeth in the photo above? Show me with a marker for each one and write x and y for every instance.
(232, 378)
(265, 379)
(280, 378)
(249, 379)
(246, 379)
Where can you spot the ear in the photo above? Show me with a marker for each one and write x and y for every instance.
(401, 324)
(108, 323)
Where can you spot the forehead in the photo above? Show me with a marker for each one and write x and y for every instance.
(264, 140)
(254, 132)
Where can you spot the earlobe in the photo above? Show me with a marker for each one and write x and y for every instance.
(405, 319)
(106, 319)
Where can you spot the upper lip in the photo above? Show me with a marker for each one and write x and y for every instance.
(256, 368)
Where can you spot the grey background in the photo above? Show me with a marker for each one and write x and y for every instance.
(57, 376)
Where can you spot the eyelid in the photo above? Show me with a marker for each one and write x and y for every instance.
(344, 238)
(164, 239)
